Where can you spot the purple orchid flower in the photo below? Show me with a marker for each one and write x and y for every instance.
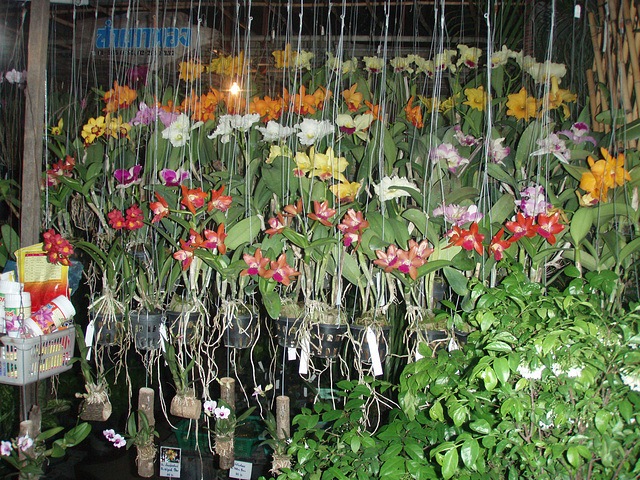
(173, 178)
(498, 152)
(167, 118)
(578, 134)
(458, 215)
(464, 140)
(533, 201)
(450, 155)
(137, 76)
(145, 115)
(126, 178)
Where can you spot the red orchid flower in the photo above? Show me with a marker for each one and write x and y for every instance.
(322, 213)
(195, 239)
(192, 198)
(423, 250)
(548, 226)
(116, 220)
(134, 218)
(185, 255)
(523, 227)
(219, 201)
(353, 223)
(467, 239)
(292, 210)
(498, 246)
(160, 208)
(256, 264)
(388, 260)
(280, 271)
(409, 262)
(277, 225)
(215, 239)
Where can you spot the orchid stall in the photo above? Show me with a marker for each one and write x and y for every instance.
(327, 240)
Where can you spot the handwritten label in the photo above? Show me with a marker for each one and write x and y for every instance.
(170, 459)
(241, 470)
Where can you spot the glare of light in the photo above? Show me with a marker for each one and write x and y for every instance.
(235, 89)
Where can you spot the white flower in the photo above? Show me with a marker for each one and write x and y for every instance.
(244, 122)
(13, 76)
(541, 72)
(351, 126)
(529, 374)
(312, 131)
(469, 56)
(222, 413)
(501, 57)
(119, 441)
(401, 64)
(274, 131)
(5, 448)
(179, 132)
(631, 379)
(450, 155)
(25, 443)
(373, 64)
(574, 372)
(209, 407)
(497, 152)
(388, 189)
(553, 145)
(109, 434)
(547, 423)
(223, 130)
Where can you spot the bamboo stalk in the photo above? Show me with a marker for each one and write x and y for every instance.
(633, 51)
(593, 101)
(597, 58)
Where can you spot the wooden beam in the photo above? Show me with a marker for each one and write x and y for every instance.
(33, 134)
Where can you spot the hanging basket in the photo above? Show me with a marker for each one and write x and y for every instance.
(186, 406)
(326, 339)
(241, 331)
(146, 330)
(382, 336)
(182, 325)
(437, 339)
(108, 328)
(287, 331)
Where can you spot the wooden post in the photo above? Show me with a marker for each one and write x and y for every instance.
(146, 453)
(30, 427)
(282, 417)
(30, 213)
(225, 446)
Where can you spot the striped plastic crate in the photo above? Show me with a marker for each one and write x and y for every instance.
(27, 360)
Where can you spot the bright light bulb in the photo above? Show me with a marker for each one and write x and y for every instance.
(235, 89)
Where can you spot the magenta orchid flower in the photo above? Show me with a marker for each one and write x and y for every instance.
(533, 201)
(127, 178)
(173, 178)
(578, 134)
(458, 215)
(145, 115)
(450, 155)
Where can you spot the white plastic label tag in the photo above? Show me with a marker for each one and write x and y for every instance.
(291, 353)
(577, 11)
(88, 336)
(303, 369)
(418, 355)
(373, 351)
(163, 336)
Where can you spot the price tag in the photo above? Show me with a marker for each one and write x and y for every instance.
(373, 352)
(291, 353)
(88, 338)
(303, 369)
(241, 470)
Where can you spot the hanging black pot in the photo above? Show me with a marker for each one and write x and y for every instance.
(326, 339)
(437, 339)
(108, 328)
(382, 335)
(146, 329)
(182, 324)
(287, 331)
(241, 331)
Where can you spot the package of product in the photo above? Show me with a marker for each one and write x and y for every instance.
(43, 280)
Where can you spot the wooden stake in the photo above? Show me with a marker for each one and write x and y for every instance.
(282, 417)
(30, 427)
(228, 391)
(145, 404)
(225, 446)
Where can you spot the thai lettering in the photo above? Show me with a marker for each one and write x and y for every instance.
(109, 37)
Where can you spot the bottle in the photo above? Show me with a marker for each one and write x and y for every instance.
(54, 315)
(17, 308)
(6, 287)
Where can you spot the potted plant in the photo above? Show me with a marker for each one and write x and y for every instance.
(184, 403)
(226, 422)
(96, 406)
(377, 322)
(289, 323)
(239, 324)
(278, 442)
(140, 435)
(327, 326)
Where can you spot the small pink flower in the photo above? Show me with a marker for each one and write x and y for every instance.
(119, 441)
(222, 413)
(209, 406)
(25, 443)
(5, 448)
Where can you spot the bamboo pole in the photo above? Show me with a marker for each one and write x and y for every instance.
(631, 45)
(593, 101)
(597, 58)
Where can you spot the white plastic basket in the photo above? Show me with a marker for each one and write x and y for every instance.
(27, 360)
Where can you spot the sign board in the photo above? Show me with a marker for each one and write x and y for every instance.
(241, 470)
(170, 459)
